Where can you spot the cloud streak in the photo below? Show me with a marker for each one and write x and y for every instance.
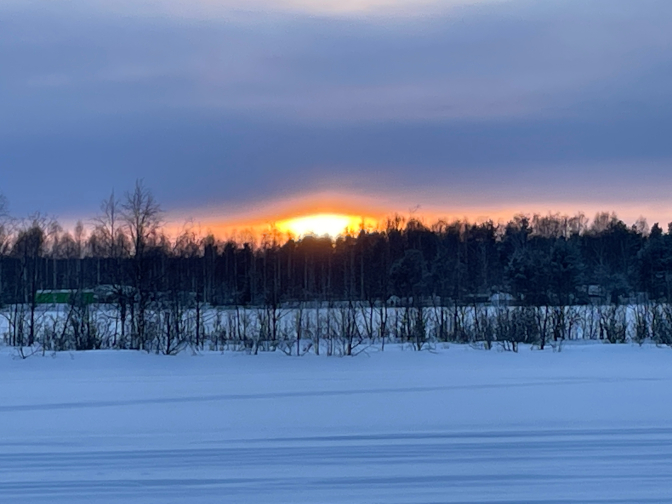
(229, 105)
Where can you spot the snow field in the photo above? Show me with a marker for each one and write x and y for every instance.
(588, 424)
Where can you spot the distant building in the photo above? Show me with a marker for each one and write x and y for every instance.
(64, 296)
(596, 294)
(502, 299)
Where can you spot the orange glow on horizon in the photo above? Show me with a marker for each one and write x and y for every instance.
(334, 214)
(332, 225)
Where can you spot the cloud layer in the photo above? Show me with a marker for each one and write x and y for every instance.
(231, 105)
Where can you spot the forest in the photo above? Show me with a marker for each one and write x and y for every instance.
(124, 283)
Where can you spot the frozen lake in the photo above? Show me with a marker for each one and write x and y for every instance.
(592, 424)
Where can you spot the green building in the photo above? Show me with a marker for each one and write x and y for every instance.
(64, 297)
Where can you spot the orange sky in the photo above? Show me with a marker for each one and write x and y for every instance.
(240, 222)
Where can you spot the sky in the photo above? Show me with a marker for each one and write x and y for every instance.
(258, 110)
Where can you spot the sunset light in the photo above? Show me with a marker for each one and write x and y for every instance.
(331, 225)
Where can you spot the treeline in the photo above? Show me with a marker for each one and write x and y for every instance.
(531, 260)
(127, 260)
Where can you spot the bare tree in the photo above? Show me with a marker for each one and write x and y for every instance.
(5, 238)
(4, 221)
(109, 242)
(108, 225)
(29, 248)
(142, 217)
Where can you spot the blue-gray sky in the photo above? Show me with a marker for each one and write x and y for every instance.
(238, 108)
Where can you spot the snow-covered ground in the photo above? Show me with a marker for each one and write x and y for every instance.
(591, 424)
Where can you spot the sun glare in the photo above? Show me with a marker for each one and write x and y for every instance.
(331, 225)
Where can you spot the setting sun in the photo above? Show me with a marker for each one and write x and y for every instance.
(331, 225)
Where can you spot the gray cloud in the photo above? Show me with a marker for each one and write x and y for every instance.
(509, 101)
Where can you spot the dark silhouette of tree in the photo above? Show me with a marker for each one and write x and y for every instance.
(142, 216)
(406, 280)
